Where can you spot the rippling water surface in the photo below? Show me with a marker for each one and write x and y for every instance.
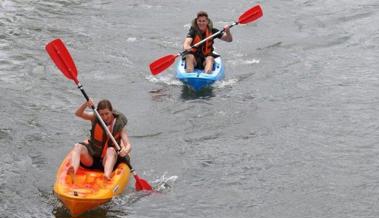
(291, 132)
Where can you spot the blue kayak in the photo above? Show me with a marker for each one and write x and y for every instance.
(198, 80)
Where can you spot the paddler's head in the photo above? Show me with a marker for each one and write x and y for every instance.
(105, 109)
(202, 21)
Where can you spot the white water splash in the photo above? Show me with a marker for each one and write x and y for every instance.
(253, 61)
(131, 39)
(164, 183)
(243, 62)
(166, 79)
(159, 185)
(8, 5)
(225, 83)
(187, 26)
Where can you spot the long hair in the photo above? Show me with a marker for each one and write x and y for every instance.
(201, 14)
(104, 104)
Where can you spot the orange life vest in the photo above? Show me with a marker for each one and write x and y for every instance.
(207, 47)
(99, 138)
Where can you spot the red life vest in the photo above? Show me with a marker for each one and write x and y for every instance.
(207, 47)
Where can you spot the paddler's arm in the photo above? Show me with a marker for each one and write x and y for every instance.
(189, 39)
(124, 143)
(227, 35)
(82, 113)
(187, 44)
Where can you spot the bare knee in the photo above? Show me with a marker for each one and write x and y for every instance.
(80, 153)
(111, 152)
(209, 64)
(109, 162)
(190, 63)
(209, 60)
(78, 147)
(110, 155)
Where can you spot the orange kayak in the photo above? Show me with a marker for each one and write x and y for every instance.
(89, 189)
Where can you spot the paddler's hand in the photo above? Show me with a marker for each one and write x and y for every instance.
(227, 28)
(187, 48)
(90, 103)
(123, 152)
(227, 36)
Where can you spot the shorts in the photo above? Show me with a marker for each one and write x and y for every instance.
(98, 161)
(201, 58)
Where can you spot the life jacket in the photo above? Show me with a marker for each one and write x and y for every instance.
(207, 46)
(100, 141)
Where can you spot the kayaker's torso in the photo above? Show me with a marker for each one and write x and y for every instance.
(99, 137)
(206, 48)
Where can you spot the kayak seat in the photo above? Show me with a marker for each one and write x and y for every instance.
(201, 67)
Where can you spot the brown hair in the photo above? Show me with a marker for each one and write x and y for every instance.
(104, 104)
(202, 14)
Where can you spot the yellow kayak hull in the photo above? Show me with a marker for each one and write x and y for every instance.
(88, 189)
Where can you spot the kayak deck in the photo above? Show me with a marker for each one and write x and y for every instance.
(88, 188)
(198, 79)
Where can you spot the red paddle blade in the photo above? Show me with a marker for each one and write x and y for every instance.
(142, 184)
(62, 59)
(251, 15)
(162, 63)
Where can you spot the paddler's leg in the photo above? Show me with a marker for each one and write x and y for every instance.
(109, 161)
(190, 63)
(208, 64)
(80, 154)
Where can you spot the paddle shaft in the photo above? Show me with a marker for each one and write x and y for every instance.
(163, 63)
(118, 148)
(72, 76)
(100, 119)
(64, 62)
(209, 37)
(80, 87)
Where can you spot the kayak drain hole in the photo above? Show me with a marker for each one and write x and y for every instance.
(75, 193)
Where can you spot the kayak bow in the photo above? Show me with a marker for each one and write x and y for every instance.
(198, 79)
(89, 188)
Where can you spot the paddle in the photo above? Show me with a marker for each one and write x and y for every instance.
(163, 63)
(62, 59)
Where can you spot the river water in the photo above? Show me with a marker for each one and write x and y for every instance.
(291, 132)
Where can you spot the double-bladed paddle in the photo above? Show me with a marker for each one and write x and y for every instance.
(163, 63)
(63, 60)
